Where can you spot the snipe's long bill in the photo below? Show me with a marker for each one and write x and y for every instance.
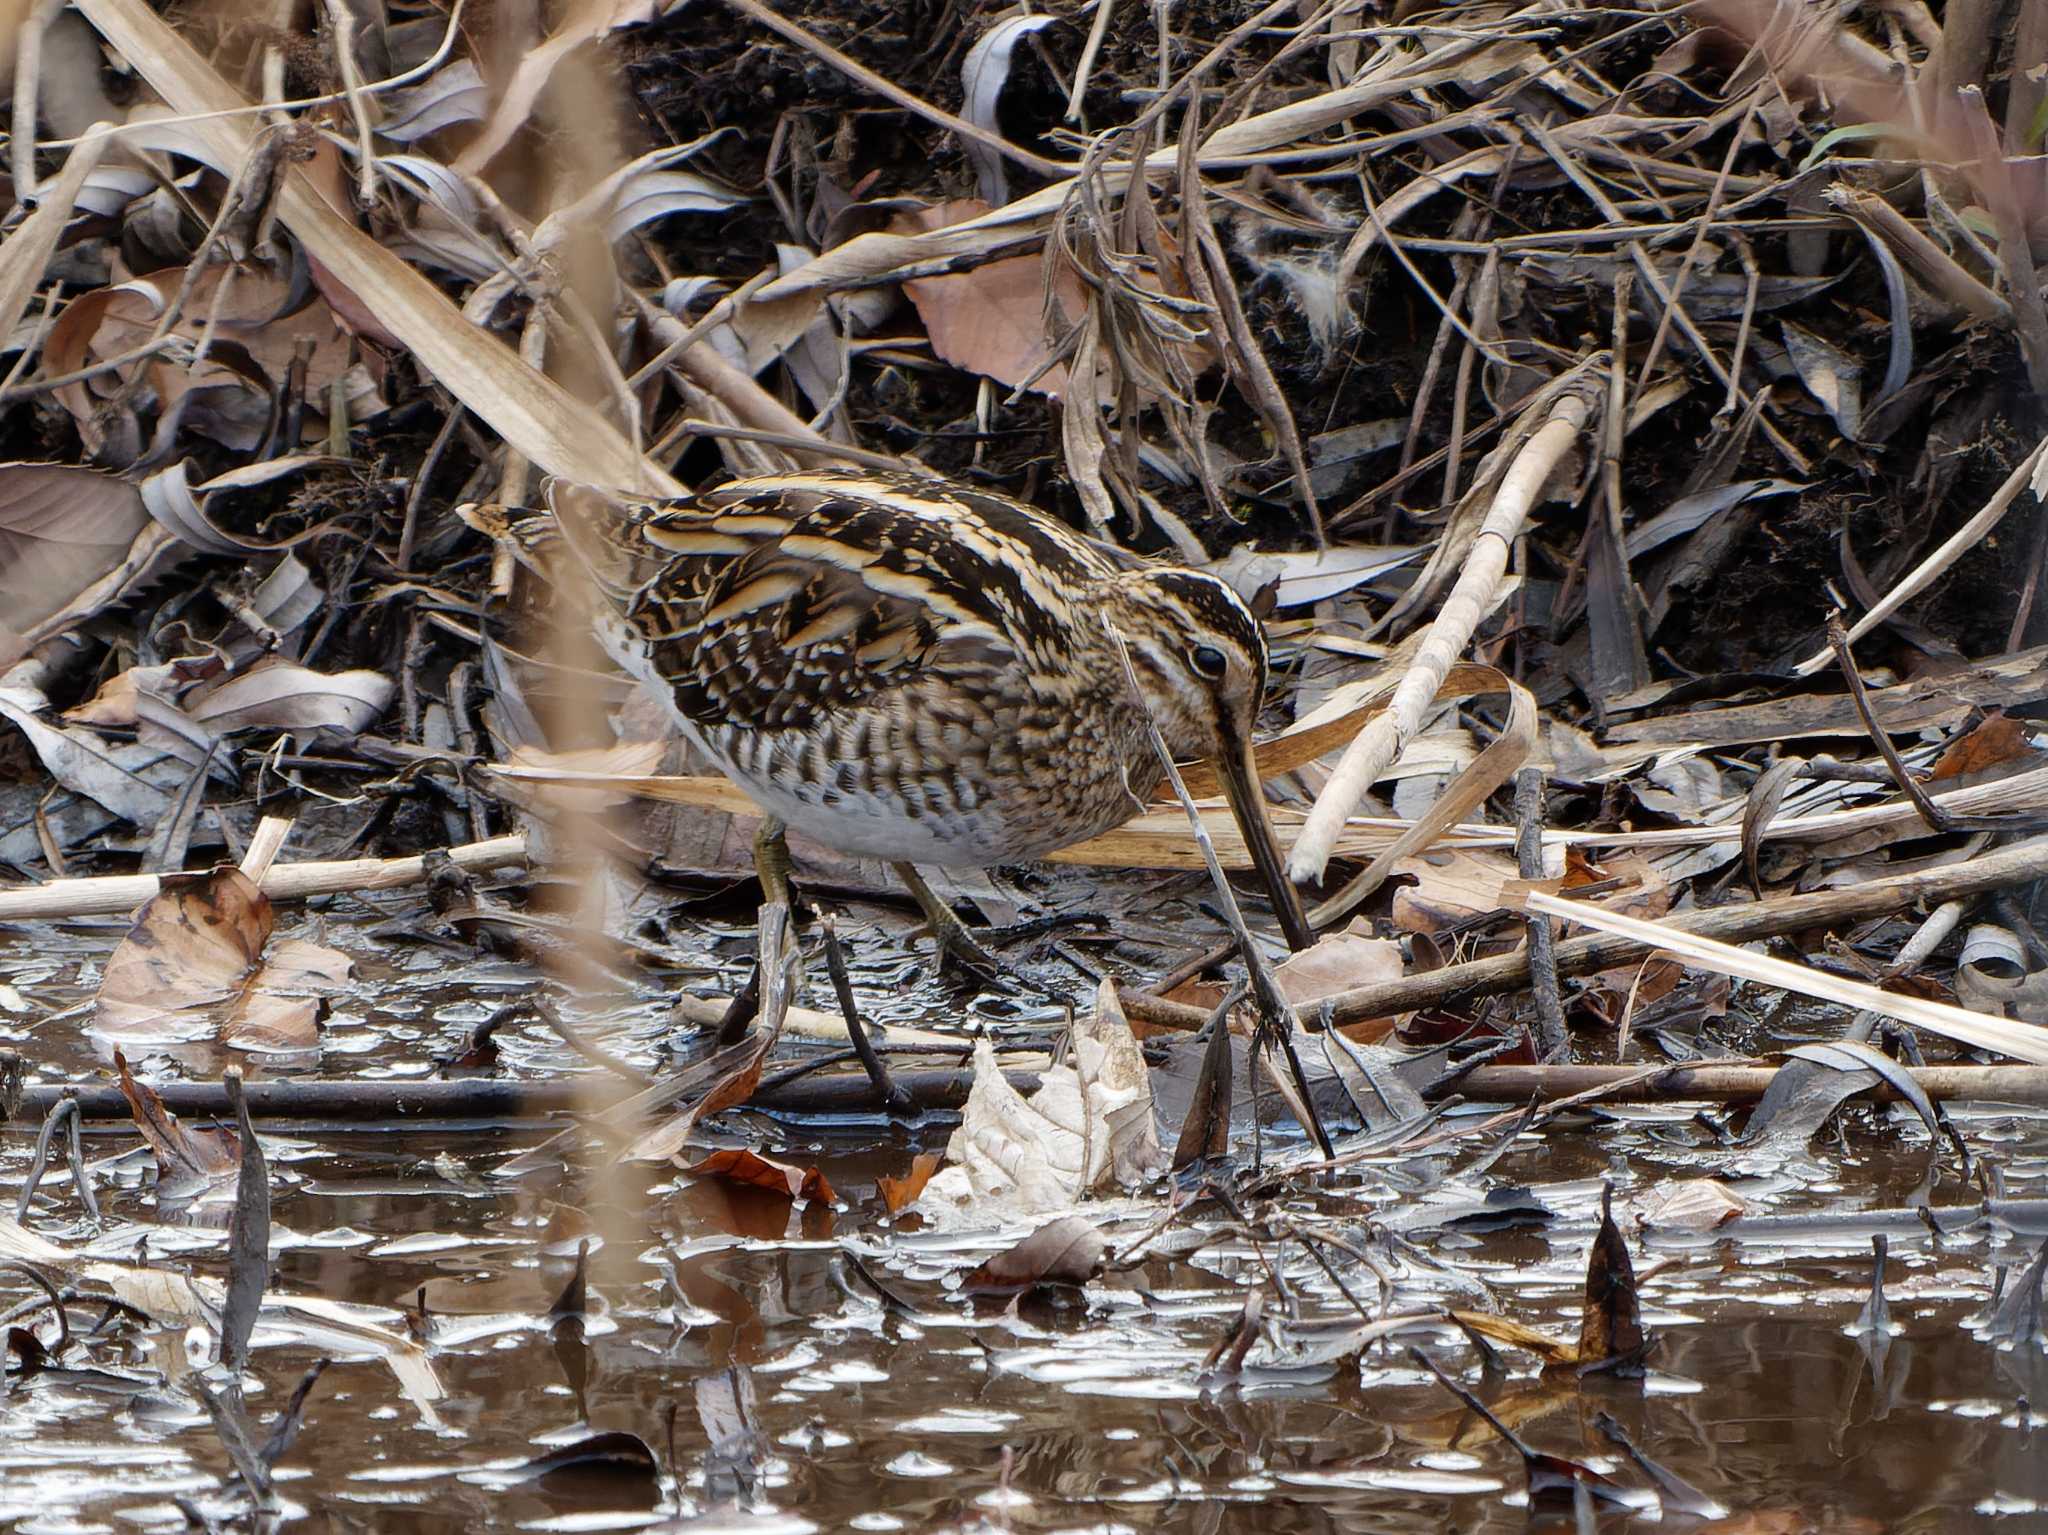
(919, 671)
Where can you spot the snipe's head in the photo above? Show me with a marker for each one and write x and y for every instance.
(1200, 659)
(1199, 654)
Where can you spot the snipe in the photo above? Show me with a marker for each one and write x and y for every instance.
(914, 670)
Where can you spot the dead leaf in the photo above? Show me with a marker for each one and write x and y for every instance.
(1088, 1129)
(898, 1192)
(1452, 886)
(191, 967)
(1695, 1204)
(1500, 1329)
(85, 764)
(255, 332)
(665, 1140)
(1998, 740)
(61, 530)
(1611, 1324)
(990, 319)
(1338, 962)
(117, 702)
(1067, 1251)
(738, 1165)
(277, 694)
(188, 1161)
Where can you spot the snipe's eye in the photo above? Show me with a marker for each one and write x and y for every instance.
(1209, 662)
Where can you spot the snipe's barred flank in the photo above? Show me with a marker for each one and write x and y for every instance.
(915, 670)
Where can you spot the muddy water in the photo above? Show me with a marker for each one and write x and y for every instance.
(931, 1410)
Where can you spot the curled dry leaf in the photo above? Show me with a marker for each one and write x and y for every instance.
(738, 1165)
(1067, 1251)
(899, 1192)
(192, 967)
(277, 694)
(118, 702)
(257, 326)
(1611, 1323)
(61, 530)
(188, 1161)
(1088, 1129)
(983, 74)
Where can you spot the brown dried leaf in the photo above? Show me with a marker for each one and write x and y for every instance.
(1997, 741)
(252, 316)
(899, 1192)
(192, 967)
(61, 530)
(1500, 1329)
(1337, 962)
(1452, 886)
(665, 1140)
(187, 1160)
(1611, 1325)
(1067, 1251)
(990, 319)
(738, 1165)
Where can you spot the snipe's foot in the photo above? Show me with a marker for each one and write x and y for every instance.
(956, 946)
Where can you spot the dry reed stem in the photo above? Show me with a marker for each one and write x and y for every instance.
(1374, 749)
(110, 894)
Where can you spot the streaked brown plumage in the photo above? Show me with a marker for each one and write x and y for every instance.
(915, 670)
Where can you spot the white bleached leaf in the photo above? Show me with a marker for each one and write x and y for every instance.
(983, 74)
(658, 194)
(1087, 1130)
(455, 94)
(1309, 575)
(282, 695)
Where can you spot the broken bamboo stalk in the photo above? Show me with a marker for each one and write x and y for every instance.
(119, 894)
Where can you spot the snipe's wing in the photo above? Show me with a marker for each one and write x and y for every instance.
(769, 602)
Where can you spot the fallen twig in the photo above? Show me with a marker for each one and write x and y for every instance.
(104, 895)
(2016, 865)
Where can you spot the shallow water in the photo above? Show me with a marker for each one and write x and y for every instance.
(1089, 1411)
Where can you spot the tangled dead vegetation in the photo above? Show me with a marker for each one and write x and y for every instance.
(1626, 420)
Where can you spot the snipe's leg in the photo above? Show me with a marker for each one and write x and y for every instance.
(771, 859)
(771, 865)
(948, 931)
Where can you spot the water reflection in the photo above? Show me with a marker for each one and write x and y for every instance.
(881, 1398)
